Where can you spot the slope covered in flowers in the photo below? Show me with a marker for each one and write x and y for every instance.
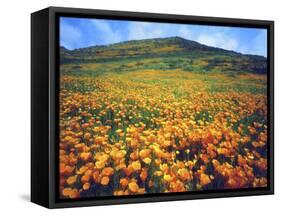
(161, 131)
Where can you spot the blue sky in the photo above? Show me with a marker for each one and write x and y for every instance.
(83, 32)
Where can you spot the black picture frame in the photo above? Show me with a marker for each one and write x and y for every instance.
(44, 105)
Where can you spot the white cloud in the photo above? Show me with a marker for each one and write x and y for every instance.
(101, 25)
(142, 30)
(257, 46)
(69, 36)
(220, 40)
(109, 35)
(260, 44)
(185, 33)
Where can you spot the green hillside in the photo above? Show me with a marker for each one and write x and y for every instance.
(164, 54)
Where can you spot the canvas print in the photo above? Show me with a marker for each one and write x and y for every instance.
(153, 108)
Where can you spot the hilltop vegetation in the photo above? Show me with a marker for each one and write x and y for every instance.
(166, 54)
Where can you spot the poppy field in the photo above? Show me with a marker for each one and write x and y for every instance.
(149, 130)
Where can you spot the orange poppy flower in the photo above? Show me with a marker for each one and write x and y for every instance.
(74, 193)
(95, 176)
(123, 182)
(66, 192)
(100, 164)
(204, 179)
(104, 180)
(133, 187)
(184, 174)
(108, 171)
(136, 165)
(143, 174)
(85, 178)
(128, 170)
(87, 136)
(86, 186)
(147, 160)
(71, 180)
(85, 156)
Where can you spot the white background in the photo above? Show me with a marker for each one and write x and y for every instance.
(15, 107)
